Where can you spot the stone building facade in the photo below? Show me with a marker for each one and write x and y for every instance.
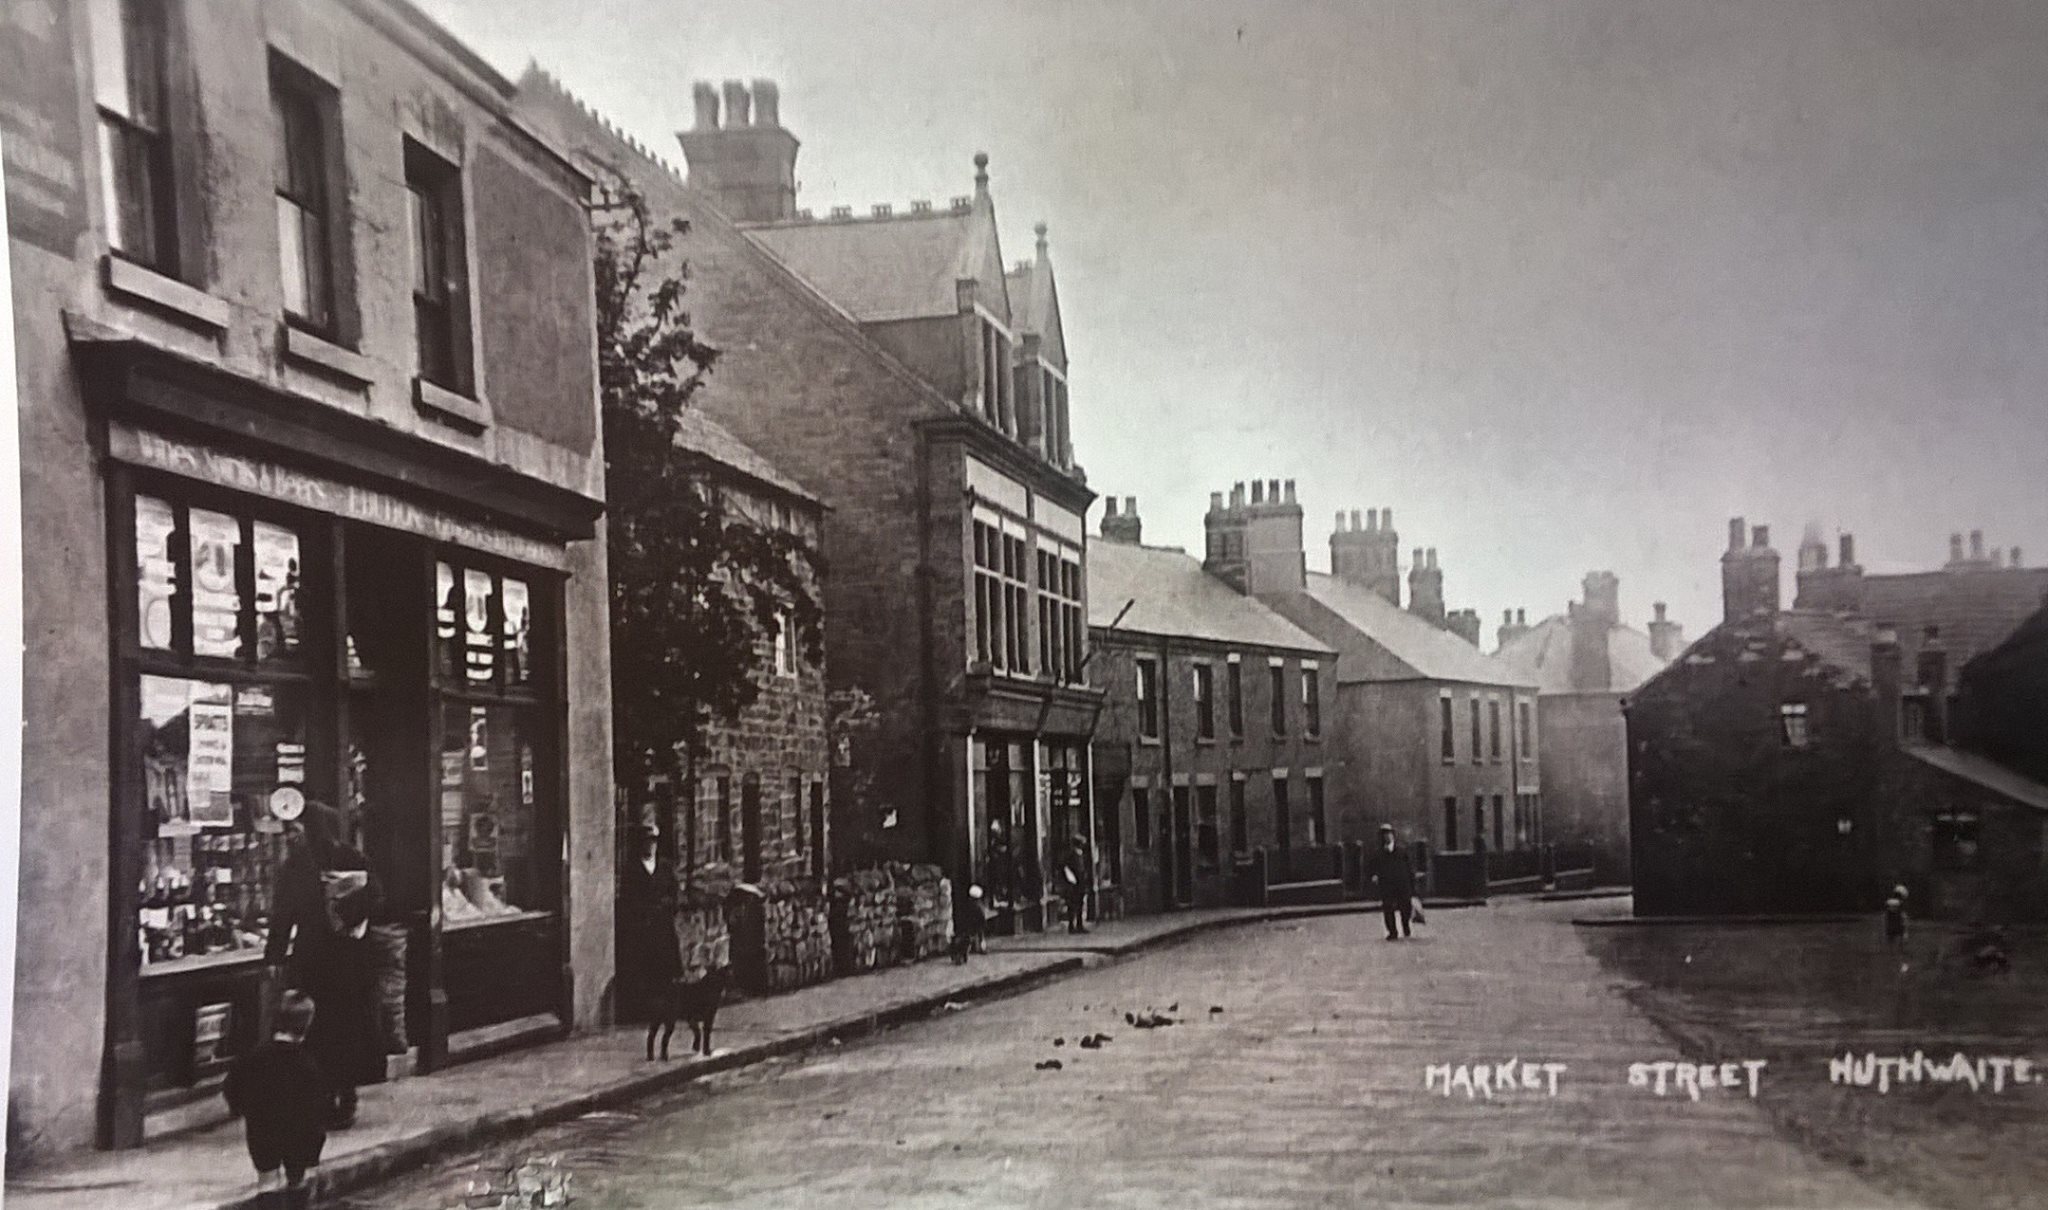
(313, 484)
(891, 364)
(1801, 759)
(1213, 741)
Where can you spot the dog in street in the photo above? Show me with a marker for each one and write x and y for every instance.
(695, 1001)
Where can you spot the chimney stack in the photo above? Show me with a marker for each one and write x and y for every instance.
(1837, 589)
(1848, 558)
(1426, 587)
(1749, 576)
(1465, 624)
(1665, 635)
(2016, 558)
(1124, 527)
(1354, 519)
(747, 167)
(1592, 664)
(1955, 549)
(1976, 546)
(1510, 630)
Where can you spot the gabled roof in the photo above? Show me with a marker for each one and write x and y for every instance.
(1171, 595)
(1035, 309)
(1544, 654)
(1427, 652)
(1983, 771)
(708, 439)
(904, 266)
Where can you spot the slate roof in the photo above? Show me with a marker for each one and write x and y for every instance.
(1174, 597)
(1428, 652)
(708, 439)
(906, 266)
(1842, 642)
(1975, 608)
(1985, 772)
(1544, 653)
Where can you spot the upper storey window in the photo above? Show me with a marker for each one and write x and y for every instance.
(439, 268)
(305, 220)
(128, 40)
(998, 384)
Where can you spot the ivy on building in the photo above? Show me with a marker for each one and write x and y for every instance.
(696, 587)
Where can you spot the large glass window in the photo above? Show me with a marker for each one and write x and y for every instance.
(129, 56)
(1059, 615)
(1002, 625)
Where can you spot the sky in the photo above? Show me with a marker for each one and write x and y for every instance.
(1566, 284)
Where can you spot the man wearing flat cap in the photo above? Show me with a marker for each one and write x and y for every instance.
(1390, 868)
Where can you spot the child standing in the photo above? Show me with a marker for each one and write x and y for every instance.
(284, 1099)
(1895, 918)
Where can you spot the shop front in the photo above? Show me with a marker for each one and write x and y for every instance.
(288, 636)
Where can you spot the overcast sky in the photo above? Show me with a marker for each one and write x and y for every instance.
(1566, 284)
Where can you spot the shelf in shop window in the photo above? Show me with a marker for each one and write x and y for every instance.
(450, 926)
(179, 966)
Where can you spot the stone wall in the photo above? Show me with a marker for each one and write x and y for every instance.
(796, 935)
(924, 912)
(701, 927)
(863, 922)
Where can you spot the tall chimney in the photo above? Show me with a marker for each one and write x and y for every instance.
(746, 168)
(1749, 576)
(1275, 564)
(1976, 546)
(1426, 587)
(707, 105)
(1665, 639)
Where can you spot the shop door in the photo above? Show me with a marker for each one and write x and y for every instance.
(750, 827)
(1182, 848)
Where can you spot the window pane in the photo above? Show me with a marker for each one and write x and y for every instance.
(215, 759)
(156, 572)
(291, 257)
(421, 226)
(493, 857)
(216, 605)
(517, 657)
(128, 166)
(110, 57)
(277, 591)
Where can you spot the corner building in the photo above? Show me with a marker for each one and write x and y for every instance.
(312, 469)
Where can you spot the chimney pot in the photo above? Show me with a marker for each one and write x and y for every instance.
(1273, 490)
(1040, 231)
(1976, 544)
(1215, 502)
(1237, 495)
(1372, 520)
(1109, 506)
(1521, 617)
(1290, 491)
(2016, 557)
(1387, 519)
(1131, 505)
(1760, 537)
(1258, 491)
(981, 173)
(1848, 550)
(736, 104)
(1955, 548)
(1354, 519)
(1658, 609)
(706, 97)
(1735, 529)
(1416, 563)
(1338, 528)
(882, 210)
(767, 103)
(1507, 617)
(841, 212)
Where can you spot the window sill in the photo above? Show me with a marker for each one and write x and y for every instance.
(193, 306)
(317, 353)
(443, 405)
(1151, 741)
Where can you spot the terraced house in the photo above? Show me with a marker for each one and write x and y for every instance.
(312, 478)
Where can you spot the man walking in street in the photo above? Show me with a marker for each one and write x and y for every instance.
(1390, 868)
(1076, 877)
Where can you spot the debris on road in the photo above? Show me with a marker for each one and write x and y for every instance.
(1214, 1009)
(1049, 1065)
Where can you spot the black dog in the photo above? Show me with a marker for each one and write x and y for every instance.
(695, 1001)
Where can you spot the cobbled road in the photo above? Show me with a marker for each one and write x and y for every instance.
(1307, 1089)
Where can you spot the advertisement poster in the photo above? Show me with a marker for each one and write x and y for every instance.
(518, 629)
(210, 758)
(476, 617)
(156, 572)
(447, 604)
(216, 608)
(277, 591)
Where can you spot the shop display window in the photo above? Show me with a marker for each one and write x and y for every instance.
(218, 759)
(490, 851)
(215, 585)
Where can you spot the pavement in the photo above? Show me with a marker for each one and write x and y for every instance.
(1315, 1085)
(414, 1121)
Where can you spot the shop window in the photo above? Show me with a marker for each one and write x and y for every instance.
(305, 112)
(221, 763)
(217, 585)
(129, 44)
(1318, 820)
(492, 855)
(1206, 828)
(440, 269)
(1240, 822)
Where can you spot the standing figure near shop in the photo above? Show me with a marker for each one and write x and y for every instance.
(283, 1099)
(650, 955)
(1395, 875)
(1077, 878)
(324, 899)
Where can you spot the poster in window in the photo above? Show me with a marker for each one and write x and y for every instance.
(277, 591)
(447, 607)
(210, 756)
(517, 608)
(216, 608)
(479, 645)
(165, 740)
(479, 739)
(156, 570)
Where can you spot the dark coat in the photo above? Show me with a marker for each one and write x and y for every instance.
(339, 971)
(285, 1098)
(650, 956)
(1392, 871)
(1076, 874)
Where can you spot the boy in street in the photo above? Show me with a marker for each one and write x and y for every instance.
(284, 1100)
